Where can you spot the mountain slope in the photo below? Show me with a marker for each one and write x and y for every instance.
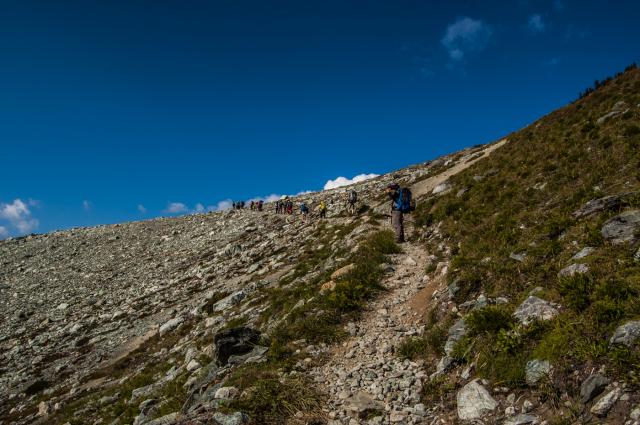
(540, 221)
(514, 301)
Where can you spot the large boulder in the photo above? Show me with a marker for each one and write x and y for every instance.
(626, 334)
(474, 401)
(622, 228)
(592, 386)
(534, 308)
(607, 203)
(234, 341)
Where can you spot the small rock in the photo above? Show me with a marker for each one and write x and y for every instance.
(602, 406)
(527, 406)
(474, 401)
(518, 257)
(626, 334)
(607, 203)
(536, 370)
(226, 393)
(522, 419)
(343, 271)
(455, 334)
(43, 408)
(193, 365)
(635, 413)
(237, 418)
(584, 252)
(622, 228)
(170, 325)
(327, 286)
(573, 269)
(409, 262)
(442, 188)
(534, 308)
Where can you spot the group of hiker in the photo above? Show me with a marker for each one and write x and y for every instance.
(253, 205)
(401, 203)
(284, 206)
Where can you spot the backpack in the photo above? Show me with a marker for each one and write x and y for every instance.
(353, 197)
(403, 202)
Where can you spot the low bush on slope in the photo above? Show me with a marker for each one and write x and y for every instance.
(519, 203)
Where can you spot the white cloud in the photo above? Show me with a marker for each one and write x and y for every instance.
(87, 205)
(19, 216)
(269, 198)
(536, 24)
(465, 35)
(222, 205)
(176, 208)
(199, 208)
(3, 232)
(142, 209)
(343, 181)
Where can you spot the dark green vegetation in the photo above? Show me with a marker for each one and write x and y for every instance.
(271, 399)
(520, 200)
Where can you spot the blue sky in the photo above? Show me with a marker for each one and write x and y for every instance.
(113, 111)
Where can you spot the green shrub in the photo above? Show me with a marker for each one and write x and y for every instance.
(576, 291)
(490, 319)
(270, 400)
(412, 348)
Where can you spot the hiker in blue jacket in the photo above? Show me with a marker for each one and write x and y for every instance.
(400, 204)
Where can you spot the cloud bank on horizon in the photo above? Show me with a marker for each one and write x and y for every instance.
(343, 181)
(17, 216)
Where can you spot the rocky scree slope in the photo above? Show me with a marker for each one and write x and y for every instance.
(115, 324)
(538, 319)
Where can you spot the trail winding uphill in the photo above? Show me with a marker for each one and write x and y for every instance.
(364, 377)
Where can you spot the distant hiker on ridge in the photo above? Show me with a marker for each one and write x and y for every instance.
(322, 208)
(352, 199)
(304, 211)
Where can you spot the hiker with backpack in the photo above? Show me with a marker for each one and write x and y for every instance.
(322, 208)
(400, 204)
(352, 199)
(304, 211)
